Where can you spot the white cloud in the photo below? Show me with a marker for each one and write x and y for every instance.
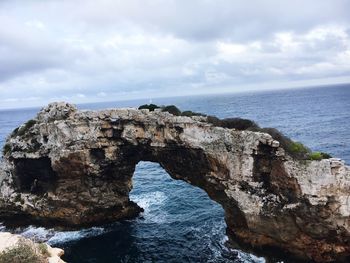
(35, 24)
(102, 94)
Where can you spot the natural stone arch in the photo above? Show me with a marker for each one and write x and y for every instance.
(74, 168)
(113, 175)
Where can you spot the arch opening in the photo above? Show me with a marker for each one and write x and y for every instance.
(180, 223)
(179, 217)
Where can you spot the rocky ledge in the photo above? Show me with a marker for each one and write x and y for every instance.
(74, 168)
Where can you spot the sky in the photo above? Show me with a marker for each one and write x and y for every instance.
(108, 50)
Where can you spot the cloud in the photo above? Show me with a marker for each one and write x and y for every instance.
(90, 51)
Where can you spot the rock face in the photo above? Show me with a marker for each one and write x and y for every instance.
(75, 168)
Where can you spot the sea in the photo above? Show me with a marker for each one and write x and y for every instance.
(180, 223)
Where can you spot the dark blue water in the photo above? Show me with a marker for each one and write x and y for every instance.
(180, 222)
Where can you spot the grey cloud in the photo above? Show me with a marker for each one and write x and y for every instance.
(212, 19)
(24, 50)
(197, 20)
(88, 50)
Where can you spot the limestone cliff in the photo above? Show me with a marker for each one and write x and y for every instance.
(74, 168)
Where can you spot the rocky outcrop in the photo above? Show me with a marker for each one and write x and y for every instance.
(74, 168)
(30, 250)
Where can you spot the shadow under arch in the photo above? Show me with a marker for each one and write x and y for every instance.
(190, 165)
(180, 223)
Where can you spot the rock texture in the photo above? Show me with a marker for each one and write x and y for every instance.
(9, 241)
(75, 168)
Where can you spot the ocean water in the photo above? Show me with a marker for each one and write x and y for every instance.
(180, 222)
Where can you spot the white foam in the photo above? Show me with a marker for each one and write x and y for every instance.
(37, 234)
(147, 200)
(248, 257)
(67, 236)
(151, 202)
(41, 234)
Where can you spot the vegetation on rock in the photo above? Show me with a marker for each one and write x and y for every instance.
(233, 123)
(298, 150)
(43, 249)
(6, 149)
(24, 128)
(150, 107)
(319, 156)
(172, 109)
(189, 113)
(295, 149)
(22, 253)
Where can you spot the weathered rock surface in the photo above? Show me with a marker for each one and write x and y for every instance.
(74, 168)
(10, 241)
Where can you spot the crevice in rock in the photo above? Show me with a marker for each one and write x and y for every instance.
(34, 175)
(270, 170)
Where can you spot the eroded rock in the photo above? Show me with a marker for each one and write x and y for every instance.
(80, 173)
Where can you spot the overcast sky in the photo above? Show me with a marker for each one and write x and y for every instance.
(88, 50)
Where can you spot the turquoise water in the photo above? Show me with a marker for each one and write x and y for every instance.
(180, 222)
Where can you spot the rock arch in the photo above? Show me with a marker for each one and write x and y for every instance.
(75, 168)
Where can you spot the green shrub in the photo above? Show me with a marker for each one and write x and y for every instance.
(24, 128)
(15, 131)
(22, 253)
(189, 113)
(214, 120)
(233, 123)
(298, 150)
(43, 250)
(284, 141)
(150, 107)
(172, 109)
(239, 124)
(316, 156)
(326, 155)
(319, 156)
(6, 149)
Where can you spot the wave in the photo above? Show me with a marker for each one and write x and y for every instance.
(68, 236)
(52, 236)
(152, 203)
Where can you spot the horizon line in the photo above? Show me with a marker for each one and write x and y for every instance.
(223, 92)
